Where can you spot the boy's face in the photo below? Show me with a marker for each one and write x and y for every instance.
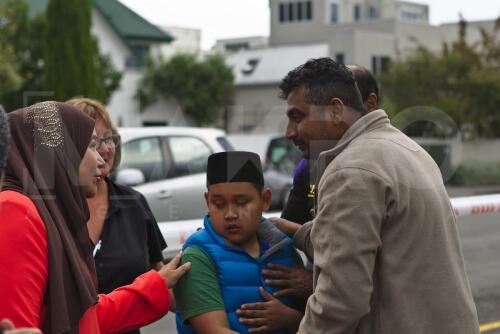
(235, 209)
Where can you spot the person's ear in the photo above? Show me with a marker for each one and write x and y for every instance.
(266, 199)
(335, 110)
(371, 102)
(206, 197)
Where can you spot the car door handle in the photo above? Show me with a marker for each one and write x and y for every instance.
(164, 194)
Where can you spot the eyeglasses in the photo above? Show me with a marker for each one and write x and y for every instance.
(110, 141)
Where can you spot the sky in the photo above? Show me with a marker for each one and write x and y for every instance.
(219, 19)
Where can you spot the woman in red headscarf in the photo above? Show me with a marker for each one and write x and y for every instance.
(48, 276)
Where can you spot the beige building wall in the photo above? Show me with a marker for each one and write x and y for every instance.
(426, 35)
(359, 42)
(393, 35)
(304, 32)
(372, 43)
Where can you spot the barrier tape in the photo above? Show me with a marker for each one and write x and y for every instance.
(176, 232)
(476, 205)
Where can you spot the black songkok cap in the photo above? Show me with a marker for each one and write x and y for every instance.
(234, 166)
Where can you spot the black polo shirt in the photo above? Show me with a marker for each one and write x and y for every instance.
(300, 206)
(130, 240)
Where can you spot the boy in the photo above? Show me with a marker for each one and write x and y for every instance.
(229, 254)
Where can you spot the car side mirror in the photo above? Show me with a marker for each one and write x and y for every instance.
(130, 177)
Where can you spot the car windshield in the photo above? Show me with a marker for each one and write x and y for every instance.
(283, 154)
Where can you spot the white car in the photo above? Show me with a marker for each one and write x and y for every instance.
(167, 165)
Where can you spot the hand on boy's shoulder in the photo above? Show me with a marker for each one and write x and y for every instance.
(292, 281)
(197, 254)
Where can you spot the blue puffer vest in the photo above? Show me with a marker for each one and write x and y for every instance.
(239, 274)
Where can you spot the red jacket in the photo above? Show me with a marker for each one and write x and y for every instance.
(24, 277)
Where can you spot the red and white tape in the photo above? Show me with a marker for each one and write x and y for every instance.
(176, 232)
(476, 205)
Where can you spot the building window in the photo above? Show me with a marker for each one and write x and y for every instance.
(372, 12)
(291, 15)
(235, 47)
(282, 12)
(411, 16)
(309, 10)
(295, 11)
(340, 58)
(380, 64)
(385, 62)
(138, 57)
(334, 13)
(357, 12)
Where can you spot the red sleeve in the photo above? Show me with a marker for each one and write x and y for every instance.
(133, 306)
(23, 259)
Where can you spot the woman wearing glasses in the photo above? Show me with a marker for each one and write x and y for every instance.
(121, 225)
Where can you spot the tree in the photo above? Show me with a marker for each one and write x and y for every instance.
(20, 39)
(23, 35)
(69, 51)
(463, 81)
(9, 77)
(202, 88)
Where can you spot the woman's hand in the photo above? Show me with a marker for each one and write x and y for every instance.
(8, 328)
(286, 226)
(292, 281)
(171, 273)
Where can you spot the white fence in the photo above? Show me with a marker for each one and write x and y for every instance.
(176, 232)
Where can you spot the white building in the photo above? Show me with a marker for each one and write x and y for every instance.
(257, 74)
(370, 33)
(128, 38)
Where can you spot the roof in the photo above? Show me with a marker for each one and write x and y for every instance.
(126, 23)
(270, 65)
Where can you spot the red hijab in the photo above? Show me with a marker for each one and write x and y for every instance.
(48, 142)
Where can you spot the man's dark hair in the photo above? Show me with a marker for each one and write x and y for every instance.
(365, 81)
(4, 140)
(323, 80)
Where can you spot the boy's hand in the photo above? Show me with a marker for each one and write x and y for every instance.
(286, 226)
(269, 315)
(171, 273)
(8, 328)
(292, 281)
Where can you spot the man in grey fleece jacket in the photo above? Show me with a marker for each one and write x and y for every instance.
(387, 256)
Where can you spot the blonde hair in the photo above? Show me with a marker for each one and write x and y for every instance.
(96, 110)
